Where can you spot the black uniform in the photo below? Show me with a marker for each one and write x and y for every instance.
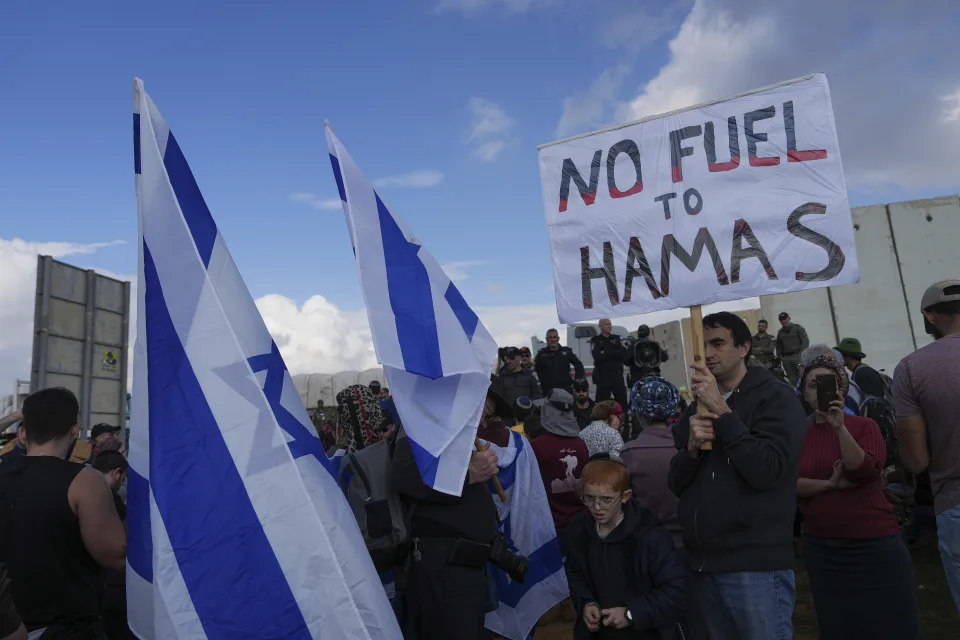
(644, 358)
(608, 356)
(553, 369)
(446, 590)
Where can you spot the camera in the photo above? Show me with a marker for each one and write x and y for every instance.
(512, 563)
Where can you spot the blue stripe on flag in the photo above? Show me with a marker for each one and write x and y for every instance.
(136, 143)
(220, 546)
(195, 211)
(426, 462)
(303, 442)
(544, 562)
(468, 319)
(139, 538)
(335, 163)
(410, 299)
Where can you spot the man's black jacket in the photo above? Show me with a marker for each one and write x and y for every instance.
(635, 566)
(738, 501)
(553, 368)
(608, 355)
(473, 515)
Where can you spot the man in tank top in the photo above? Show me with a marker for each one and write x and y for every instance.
(58, 525)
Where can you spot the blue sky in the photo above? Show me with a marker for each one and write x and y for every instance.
(458, 92)
(246, 90)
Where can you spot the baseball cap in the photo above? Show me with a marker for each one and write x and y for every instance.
(943, 291)
(783, 315)
(524, 351)
(102, 428)
(513, 352)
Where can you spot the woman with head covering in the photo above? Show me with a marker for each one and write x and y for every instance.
(361, 421)
(861, 574)
(603, 434)
(655, 402)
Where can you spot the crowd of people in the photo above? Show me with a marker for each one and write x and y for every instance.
(674, 521)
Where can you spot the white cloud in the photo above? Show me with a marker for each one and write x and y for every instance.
(892, 121)
(592, 108)
(458, 270)
(18, 282)
(490, 129)
(412, 180)
(489, 151)
(315, 201)
(951, 113)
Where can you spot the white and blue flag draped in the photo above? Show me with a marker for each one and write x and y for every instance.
(527, 525)
(436, 354)
(237, 528)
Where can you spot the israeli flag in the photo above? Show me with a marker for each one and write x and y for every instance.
(527, 525)
(436, 354)
(237, 528)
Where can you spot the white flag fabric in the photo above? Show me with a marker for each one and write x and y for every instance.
(237, 528)
(527, 525)
(436, 354)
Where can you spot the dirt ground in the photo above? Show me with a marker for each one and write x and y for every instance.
(940, 618)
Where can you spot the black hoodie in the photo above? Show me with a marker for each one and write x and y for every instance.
(738, 501)
(635, 566)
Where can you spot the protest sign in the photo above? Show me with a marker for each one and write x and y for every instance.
(666, 212)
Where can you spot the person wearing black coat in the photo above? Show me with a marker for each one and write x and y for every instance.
(622, 564)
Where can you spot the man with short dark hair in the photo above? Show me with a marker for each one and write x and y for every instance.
(553, 364)
(517, 382)
(791, 341)
(927, 401)
(113, 466)
(764, 346)
(743, 557)
(60, 524)
(582, 404)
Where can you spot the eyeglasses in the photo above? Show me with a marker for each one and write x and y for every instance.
(601, 502)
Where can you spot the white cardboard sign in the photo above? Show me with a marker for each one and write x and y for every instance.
(728, 200)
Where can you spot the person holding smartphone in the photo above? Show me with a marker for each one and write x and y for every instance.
(861, 574)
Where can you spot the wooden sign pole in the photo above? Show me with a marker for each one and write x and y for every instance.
(496, 480)
(696, 334)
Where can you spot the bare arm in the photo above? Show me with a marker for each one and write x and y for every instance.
(100, 527)
(912, 434)
(809, 488)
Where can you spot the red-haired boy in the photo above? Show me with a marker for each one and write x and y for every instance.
(626, 579)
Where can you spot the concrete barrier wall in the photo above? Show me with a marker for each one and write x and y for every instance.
(902, 249)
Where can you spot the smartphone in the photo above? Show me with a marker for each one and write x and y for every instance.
(826, 391)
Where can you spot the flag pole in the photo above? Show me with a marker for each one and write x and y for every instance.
(696, 333)
(496, 480)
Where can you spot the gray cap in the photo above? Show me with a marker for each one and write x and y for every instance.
(936, 293)
(556, 414)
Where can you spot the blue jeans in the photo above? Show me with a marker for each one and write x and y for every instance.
(746, 605)
(948, 532)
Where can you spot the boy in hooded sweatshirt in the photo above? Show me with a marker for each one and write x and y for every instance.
(627, 581)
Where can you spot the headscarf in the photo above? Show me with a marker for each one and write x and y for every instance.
(360, 421)
(826, 362)
(655, 398)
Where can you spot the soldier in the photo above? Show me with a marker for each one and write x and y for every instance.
(608, 355)
(764, 346)
(553, 363)
(791, 341)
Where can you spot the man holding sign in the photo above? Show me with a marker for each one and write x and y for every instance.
(738, 501)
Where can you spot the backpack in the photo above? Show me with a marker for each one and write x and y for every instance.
(646, 354)
(367, 482)
(881, 412)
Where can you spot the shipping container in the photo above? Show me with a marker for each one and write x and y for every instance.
(80, 339)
